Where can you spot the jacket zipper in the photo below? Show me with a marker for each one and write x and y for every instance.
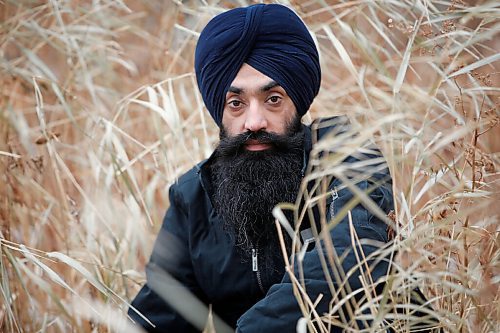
(255, 268)
(335, 196)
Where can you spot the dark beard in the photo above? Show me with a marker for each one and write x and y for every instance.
(248, 185)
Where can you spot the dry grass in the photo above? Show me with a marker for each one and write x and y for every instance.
(99, 113)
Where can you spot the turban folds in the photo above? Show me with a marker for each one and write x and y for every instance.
(270, 38)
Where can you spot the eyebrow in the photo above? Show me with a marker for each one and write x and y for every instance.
(235, 90)
(269, 86)
(264, 88)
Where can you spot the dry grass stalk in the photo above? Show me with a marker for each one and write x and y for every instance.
(99, 113)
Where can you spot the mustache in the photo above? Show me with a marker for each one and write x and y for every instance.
(232, 145)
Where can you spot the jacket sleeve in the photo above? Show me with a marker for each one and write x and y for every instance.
(279, 310)
(171, 255)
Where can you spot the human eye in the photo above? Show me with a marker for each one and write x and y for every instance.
(274, 100)
(234, 104)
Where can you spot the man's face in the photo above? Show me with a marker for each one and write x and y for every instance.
(255, 102)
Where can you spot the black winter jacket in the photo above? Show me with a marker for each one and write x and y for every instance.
(193, 248)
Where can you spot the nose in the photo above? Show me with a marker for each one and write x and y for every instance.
(255, 118)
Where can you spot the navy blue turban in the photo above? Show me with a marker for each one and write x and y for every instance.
(270, 38)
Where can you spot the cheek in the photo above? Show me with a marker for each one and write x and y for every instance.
(291, 110)
(277, 122)
(285, 117)
(231, 125)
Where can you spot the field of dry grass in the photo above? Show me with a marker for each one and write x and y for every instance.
(100, 113)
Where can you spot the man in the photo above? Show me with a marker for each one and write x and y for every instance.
(258, 72)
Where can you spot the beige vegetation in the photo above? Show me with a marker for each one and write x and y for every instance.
(100, 113)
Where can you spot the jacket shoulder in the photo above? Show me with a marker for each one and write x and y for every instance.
(343, 132)
(323, 127)
(188, 186)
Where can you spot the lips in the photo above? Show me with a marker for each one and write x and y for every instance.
(256, 145)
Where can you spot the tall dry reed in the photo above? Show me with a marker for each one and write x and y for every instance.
(99, 114)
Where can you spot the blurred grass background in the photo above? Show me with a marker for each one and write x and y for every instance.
(100, 113)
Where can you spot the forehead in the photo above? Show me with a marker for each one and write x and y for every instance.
(248, 78)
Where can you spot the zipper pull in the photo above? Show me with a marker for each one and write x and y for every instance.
(255, 266)
(335, 196)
